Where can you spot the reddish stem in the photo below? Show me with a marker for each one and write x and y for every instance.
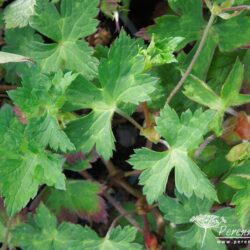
(146, 115)
(4, 88)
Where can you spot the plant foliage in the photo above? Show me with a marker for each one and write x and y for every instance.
(104, 131)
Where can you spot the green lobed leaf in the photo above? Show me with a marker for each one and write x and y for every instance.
(195, 213)
(74, 22)
(118, 239)
(41, 98)
(228, 38)
(24, 165)
(92, 130)
(183, 134)
(122, 83)
(192, 239)
(187, 23)
(161, 52)
(43, 233)
(181, 210)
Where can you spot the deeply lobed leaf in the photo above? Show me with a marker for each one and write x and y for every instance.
(24, 165)
(182, 134)
(75, 21)
(41, 98)
(122, 82)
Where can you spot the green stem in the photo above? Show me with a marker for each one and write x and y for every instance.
(130, 119)
(196, 56)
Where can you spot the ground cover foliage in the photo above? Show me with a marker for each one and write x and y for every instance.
(125, 124)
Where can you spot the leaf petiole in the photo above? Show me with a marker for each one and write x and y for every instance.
(129, 118)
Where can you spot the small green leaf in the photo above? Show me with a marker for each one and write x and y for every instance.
(239, 153)
(161, 52)
(231, 88)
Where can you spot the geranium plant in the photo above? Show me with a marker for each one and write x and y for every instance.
(118, 138)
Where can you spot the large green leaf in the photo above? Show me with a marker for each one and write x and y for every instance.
(41, 98)
(122, 82)
(24, 165)
(230, 40)
(183, 134)
(188, 22)
(202, 225)
(74, 22)
(43, 233)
